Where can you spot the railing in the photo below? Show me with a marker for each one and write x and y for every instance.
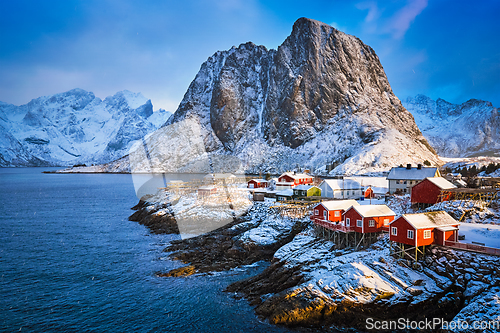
(473, 247)
(332, 225)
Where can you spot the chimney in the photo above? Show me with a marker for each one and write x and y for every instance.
(419, 166)
(408, 166)
(295, 172)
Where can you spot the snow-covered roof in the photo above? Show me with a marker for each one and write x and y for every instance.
(447, 228)
(378, 184)
(429, 219)
(296, 175)
(373, 182)
(339, 204)
(374, 210)
(460, 182)
(339, 184)
(258, 180)
(402, 173)
(285, 193)
(441, 183)
(303, 187)
(210, 187)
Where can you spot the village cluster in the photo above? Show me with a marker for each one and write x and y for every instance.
(342, 209)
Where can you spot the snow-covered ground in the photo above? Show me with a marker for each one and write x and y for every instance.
(487, 234)
(468, 162)
(356, 276)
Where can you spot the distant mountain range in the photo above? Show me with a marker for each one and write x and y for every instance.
(74, 127)
(457, 130)
(322, 98)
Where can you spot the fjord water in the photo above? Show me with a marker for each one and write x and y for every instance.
(71, 261)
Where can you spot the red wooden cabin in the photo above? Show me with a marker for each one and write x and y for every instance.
(257, 183)
(368, 218)
(427, 191)
(206, 191)
(331, 211)
(424, 229)
(294, 179)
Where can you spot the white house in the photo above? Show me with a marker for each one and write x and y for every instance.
(379, 185)
(341, 189)
(403, 179)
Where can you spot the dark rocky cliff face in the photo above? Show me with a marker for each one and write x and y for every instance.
(317, 80)
(320, 71)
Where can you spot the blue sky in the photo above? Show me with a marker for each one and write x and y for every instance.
(441, 48)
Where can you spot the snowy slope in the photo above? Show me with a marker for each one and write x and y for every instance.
(74, 127)
(466, 130)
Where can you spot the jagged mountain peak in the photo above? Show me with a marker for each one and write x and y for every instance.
(134, 100)
(74, 127)
(477, 102)
(317, 85)
(124, 101)
(77, 99)
(458, 130)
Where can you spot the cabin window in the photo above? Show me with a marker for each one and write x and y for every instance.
(337, 213)
(386, 221)
(371, 223)
(394, 231)
(324, 214)
(316, 212)
(410, 234)
(427, 234)
(359, 223)
(347, 221)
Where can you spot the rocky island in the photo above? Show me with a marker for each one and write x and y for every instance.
(310, 283)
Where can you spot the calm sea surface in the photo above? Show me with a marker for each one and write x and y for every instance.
(70, 261)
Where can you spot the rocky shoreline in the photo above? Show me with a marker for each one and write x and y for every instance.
(148, 214)
(308, 284)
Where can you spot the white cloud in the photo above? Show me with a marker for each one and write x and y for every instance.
(401, 21)
(382, 19)
(373, 11)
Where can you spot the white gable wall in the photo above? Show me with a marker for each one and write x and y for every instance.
(337, 193)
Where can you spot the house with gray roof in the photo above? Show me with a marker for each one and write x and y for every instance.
(404, 178)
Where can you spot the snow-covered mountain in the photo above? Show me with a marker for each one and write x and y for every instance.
(74, 127)
(457, 130)
(321, 97)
